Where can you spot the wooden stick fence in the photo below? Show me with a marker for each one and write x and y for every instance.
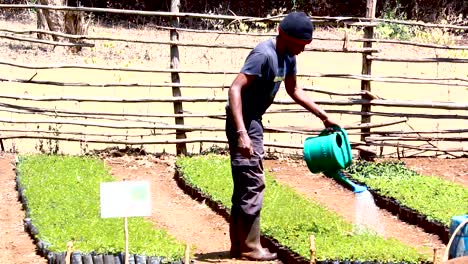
(366, 100)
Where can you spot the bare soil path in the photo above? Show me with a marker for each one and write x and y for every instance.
(188, 220)
(196, 224)
(15, 244)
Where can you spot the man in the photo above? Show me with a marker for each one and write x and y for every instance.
(251, 93)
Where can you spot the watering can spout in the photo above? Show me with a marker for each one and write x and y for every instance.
(340, 178)
(359, 188)
(330, 153)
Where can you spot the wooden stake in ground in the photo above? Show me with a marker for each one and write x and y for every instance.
(187, 254)
(126, 239)
(434, 257)
(312, 249)
(69, 252)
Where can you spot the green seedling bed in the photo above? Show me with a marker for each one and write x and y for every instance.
(61, 197)
(288, 219)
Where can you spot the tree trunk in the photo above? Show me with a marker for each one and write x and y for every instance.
(69, 22)
(50, 19)
(75, 24)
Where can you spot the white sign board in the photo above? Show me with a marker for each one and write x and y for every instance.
(125, 199)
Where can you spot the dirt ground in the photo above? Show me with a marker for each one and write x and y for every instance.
(196, 224)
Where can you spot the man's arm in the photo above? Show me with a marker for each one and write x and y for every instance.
(301, 98)
(235, 102)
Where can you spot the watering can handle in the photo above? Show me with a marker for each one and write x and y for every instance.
(329, 130)
(332, 129)
(348, 145)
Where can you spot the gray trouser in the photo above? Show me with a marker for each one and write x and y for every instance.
(247, 173)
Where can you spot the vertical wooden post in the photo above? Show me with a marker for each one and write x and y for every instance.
(181, 148)
(367, 70)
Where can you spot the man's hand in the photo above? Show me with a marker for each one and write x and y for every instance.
(245, 144)
(329, 123)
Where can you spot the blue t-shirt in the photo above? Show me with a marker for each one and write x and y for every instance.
(271, 69)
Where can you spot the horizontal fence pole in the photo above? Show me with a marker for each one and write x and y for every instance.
(85, 114)
(19, 109)
(149, 142)
(444, 131)
(425, 148)
(373, 113)
(105, 135)
(421, 60)
(88, 117)
(145, 142)
(317, 38)
(80, 84)
(189, 44)
(389, 79)
(150, 125)
(141, 13)
(406, 138)
(438, 81)
(153, 142)
(386, 103)
(409, 43)
(179, 29)
(154, 125)
(416, 104)
(53, 43)
(223, 141)
(420, 24)
(439, 134)
(300, 130)
(109, 141)
(379, 102)
(396, 21)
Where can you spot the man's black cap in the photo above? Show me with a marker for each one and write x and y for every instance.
(297, 25)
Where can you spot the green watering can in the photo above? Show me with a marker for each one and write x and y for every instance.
(330, 151)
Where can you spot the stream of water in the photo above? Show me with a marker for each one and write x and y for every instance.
(367, 214)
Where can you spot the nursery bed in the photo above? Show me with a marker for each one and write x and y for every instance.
(15, 244)
(211, 177)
